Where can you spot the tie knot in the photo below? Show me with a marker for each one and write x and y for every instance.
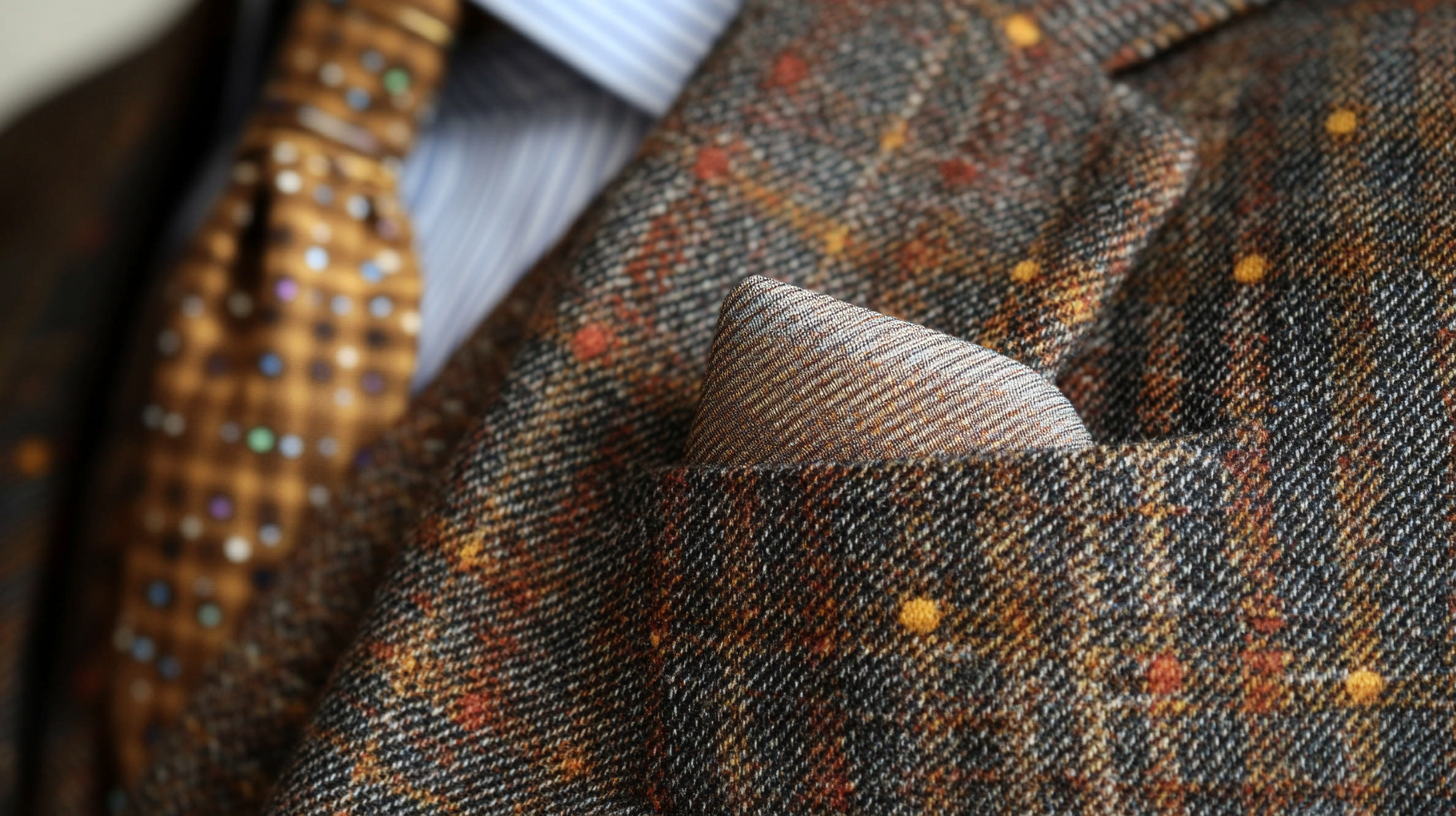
(361, 73)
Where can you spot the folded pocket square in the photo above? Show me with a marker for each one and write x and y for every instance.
(796, 377)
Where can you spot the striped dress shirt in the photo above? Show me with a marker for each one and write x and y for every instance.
(530, 125)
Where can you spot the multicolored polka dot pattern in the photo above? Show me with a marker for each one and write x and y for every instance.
(287, 344)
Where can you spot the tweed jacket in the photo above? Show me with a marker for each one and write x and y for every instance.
(1224, 230)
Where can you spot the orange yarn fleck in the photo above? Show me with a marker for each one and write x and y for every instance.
(835, 239)
(32, 457)
(1165, 675)
(894, 138)
(1251, 269)
(789, 69)
(1364, 686)
(712, 163)
(920, 615)
(1022, 30)
(590, 341)
(1341, 122)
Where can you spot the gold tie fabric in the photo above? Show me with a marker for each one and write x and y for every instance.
(796, 376)
(287, 343)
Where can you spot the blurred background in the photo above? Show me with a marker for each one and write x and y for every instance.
(47, 44)
(116, 121)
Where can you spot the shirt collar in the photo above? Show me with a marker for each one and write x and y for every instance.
(643, 51)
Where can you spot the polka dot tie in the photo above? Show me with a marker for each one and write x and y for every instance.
(286, 344)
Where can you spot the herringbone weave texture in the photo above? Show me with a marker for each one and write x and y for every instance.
(1235, 257)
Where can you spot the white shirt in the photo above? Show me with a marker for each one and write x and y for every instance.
(531, 124)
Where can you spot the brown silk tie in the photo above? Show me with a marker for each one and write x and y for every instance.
(287, 342)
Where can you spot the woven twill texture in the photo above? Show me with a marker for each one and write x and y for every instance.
(1034, 680)
(1236, 260)
(799, 377)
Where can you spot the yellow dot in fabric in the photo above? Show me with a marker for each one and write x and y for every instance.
(1364, 686)
(32, 457)
(1025, 271)
(835, 239)
(1250, 269)
(1022, 31)
(894, 138)
(920, 615)
(1341, 122)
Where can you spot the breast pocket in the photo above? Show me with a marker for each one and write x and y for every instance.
(1009, 634)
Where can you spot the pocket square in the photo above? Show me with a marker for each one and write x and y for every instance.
(796, 377)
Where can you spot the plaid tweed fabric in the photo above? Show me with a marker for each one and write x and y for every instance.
(289, 343)
(1235, 258)
(799, 377)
